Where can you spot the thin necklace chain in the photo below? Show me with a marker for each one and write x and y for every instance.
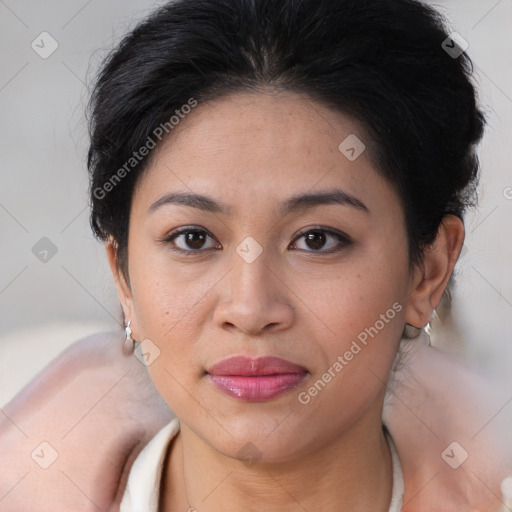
(192, 509)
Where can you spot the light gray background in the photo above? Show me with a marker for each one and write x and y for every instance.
(46, 306)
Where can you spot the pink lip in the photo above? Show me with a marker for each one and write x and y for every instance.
(256, 380)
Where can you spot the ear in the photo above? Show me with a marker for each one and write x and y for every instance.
(429, 282)
(123, 289)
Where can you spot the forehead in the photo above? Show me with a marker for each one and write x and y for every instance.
(251, 146)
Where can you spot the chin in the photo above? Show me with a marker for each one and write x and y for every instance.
(265, 439)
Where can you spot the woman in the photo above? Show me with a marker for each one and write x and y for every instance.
(281, 188)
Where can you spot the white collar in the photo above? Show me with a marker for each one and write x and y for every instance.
(143, 486)
(397, 494)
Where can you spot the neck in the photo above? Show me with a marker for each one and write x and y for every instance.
(351, 473)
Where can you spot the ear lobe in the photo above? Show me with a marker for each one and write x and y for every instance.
(123, 290)
(430, 281)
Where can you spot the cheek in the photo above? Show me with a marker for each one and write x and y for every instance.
(355, 298)
(363, 310)
(171, 309)
(166, 295)
(352, 310)
(172, 301)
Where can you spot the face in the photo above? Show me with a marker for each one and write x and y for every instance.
(254, 271)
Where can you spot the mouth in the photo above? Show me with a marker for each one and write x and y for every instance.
(256, 380)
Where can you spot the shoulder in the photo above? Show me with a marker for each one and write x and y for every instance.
(452, 429)
(69, 437)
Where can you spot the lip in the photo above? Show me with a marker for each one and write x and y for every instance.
(256, 380)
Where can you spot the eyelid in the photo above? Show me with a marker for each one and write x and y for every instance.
(185, 229)
(325, 229)
(343, 238)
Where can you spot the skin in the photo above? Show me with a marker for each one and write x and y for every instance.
(99, 457)
(98, 407)
(292, 302)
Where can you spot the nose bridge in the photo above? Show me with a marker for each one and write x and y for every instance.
(252, 274)
(255, 297)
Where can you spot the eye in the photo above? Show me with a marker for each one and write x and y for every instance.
(190, 240)
(317, 238)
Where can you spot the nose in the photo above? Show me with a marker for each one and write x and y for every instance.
(254, 298)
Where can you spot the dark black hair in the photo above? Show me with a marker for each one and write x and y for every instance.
(384, 63)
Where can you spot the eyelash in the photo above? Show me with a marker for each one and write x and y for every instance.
(343, 239)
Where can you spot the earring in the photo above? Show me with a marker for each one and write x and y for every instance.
(129, 342)
(411, 332)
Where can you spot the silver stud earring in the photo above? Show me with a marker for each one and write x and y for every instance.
(129, 342)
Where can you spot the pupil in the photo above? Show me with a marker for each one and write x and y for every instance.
(191, 241)
(315, 239)
(318, 243)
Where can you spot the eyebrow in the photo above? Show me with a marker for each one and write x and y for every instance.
(296, 203)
